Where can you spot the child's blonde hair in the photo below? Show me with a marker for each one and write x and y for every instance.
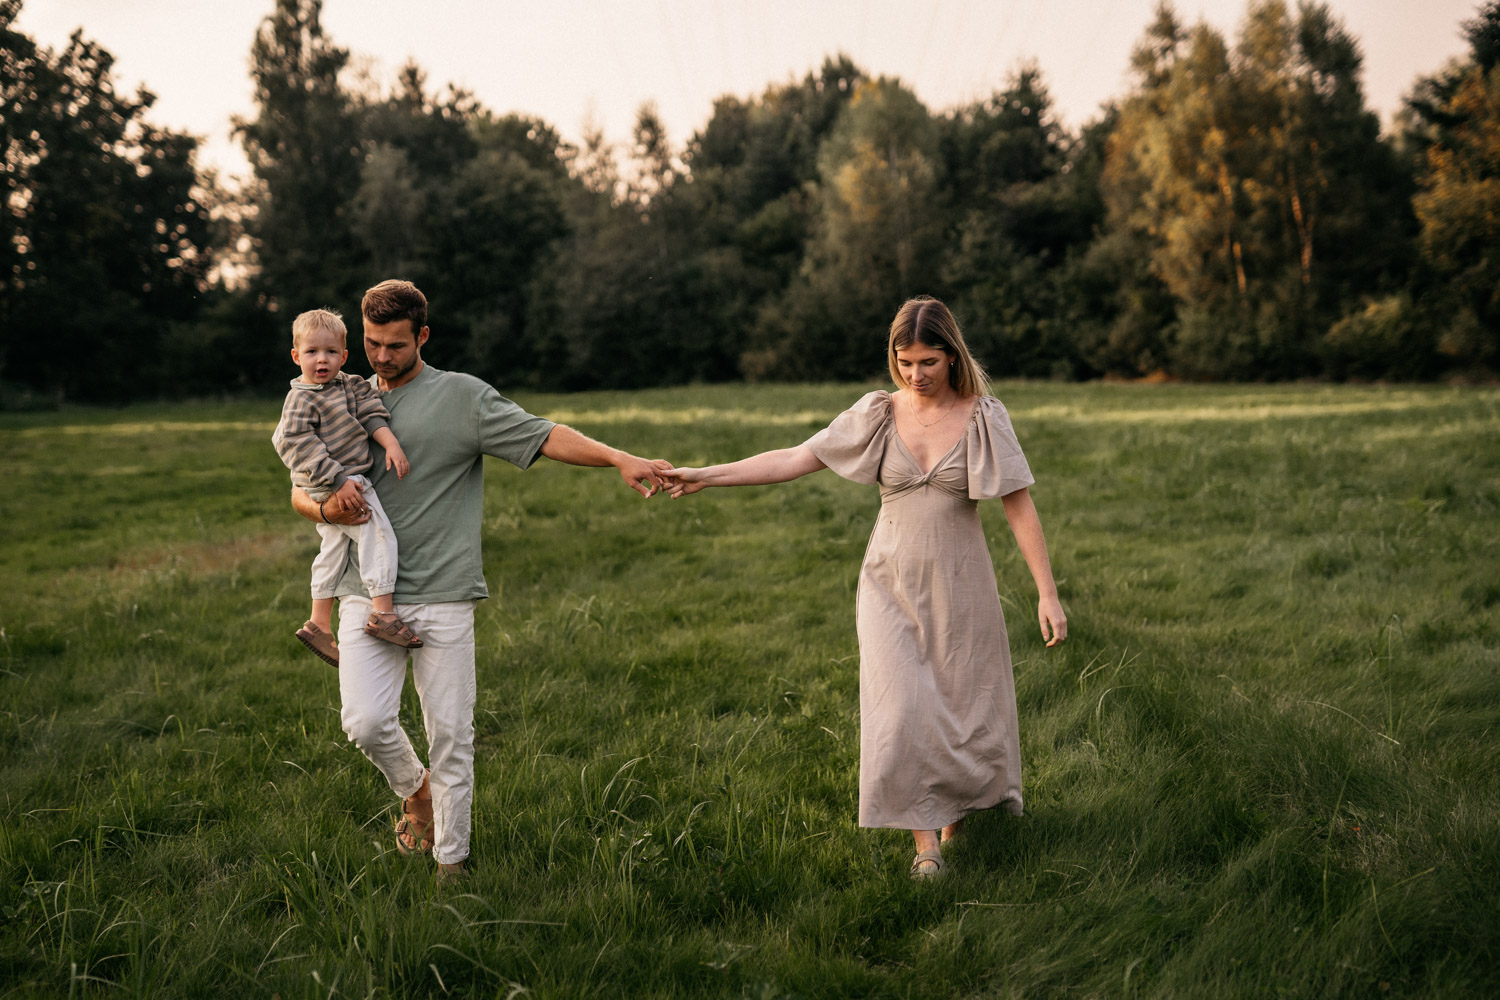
(316, 320)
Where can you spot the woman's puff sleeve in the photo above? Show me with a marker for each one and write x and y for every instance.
(996, 463)
(854, 444)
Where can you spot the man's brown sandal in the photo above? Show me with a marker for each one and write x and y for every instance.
(320, 642)
(412, 831)
(392, 629)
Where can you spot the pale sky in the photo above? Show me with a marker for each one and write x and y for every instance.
(566, 60)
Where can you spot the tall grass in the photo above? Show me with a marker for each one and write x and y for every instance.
(1263, 764)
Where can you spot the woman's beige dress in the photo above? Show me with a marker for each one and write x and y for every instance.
(937, 703)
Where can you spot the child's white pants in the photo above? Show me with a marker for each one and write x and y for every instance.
(377, 550)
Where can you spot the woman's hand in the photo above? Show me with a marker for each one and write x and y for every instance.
(1054, 623)
(681, 482)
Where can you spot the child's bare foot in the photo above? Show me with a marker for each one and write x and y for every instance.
(320, 642)
(392, 629)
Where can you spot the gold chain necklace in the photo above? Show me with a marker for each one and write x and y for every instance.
(913, 407)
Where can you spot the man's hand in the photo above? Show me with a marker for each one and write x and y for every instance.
(641, 474)
(319, 513)
(347, 516)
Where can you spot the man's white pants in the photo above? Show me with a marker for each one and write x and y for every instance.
(371, 674)
(377, 550)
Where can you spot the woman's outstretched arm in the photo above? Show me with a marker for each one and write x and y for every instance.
(1027, 527)
(757, 470)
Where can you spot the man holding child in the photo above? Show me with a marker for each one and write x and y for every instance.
(447, 422)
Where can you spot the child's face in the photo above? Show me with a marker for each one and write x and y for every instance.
(320, 354)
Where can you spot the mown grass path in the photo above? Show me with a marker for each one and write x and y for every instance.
(1265, 763)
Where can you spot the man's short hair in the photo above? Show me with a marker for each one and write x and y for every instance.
(396, 299)
(316, 320)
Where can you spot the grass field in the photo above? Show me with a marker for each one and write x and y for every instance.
(1264, 764)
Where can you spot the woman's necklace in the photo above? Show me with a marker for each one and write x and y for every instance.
(946, 411)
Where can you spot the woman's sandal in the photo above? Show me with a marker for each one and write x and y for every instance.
(412, 831)
(392, 629)
(929, 865)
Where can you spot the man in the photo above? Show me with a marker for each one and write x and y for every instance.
(447, 422)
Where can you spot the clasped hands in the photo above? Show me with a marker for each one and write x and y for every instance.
(345, 505)
(651, 476)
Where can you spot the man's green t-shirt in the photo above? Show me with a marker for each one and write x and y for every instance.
(446, 423)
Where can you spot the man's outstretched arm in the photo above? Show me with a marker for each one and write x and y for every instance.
(566, 445)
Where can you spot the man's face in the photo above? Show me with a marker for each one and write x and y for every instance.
(394, 351)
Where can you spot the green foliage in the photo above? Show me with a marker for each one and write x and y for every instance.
(356, 187)
(105, 244)
(305, 148)
(1233, 216)
(1459, 201)
(1259, 766)
(1026, 207)
(875, 238)
(878, 179)
(635, 296)
(1260, 183)
(1385, 338)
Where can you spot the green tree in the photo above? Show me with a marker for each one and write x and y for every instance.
(668, 262)
(468, 205)
(1259, 181)
(1128, 315)
(414, 144)
(1459, 202)
(106, 244)
(875, 241)
(494, 227)
(753, 195)
(1022, 214)
(766, 148)
(435, 132)
(306, 149)
(624, 301)
(879, 180)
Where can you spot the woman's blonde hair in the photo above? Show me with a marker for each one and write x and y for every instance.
(925, 320)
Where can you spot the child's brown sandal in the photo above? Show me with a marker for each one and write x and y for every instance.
(320, 642)
(392, 629)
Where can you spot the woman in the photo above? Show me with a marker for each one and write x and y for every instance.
(938, 735)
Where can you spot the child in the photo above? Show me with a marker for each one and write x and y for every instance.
(324, 437)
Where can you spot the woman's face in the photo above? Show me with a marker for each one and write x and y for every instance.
(924, 369)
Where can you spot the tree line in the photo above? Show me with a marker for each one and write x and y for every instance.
(1237, 214)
